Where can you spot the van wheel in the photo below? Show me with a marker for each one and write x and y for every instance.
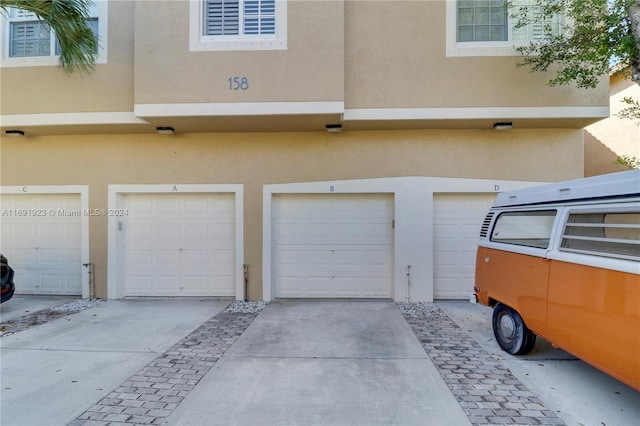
(511, 332)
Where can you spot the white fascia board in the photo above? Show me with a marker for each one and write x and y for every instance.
(69, 118)
(366, 114)
(238, 108)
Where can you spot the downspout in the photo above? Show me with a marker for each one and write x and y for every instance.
(92, 288)
(245, 269)
(408, 283)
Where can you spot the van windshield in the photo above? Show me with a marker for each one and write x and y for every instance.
(524, 228)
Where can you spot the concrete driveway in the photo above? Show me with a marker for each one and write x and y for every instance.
(169, 361)
(53, 372)
(336, 363)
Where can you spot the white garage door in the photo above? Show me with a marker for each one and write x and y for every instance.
(333, 245)
(457, 221)
(179, 245)
(41, 239)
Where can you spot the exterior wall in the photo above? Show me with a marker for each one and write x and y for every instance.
(368, 54)
(605, 140)
(395, 57)
(47, 89)
(310, 69)
(257, 159)
(380, 69)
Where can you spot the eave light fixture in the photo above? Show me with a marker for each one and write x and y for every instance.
(334, 128)
(164, 130)
(503, 125)
(14, 133)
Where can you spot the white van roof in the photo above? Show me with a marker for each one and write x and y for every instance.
(596, 187)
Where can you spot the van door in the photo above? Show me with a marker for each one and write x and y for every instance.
(594, 296)
(513, 265)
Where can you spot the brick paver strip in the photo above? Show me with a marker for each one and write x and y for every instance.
(150, 395)
(486, 390)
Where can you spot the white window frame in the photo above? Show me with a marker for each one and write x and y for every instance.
(478, 48)
(101, 11)
(199, 42)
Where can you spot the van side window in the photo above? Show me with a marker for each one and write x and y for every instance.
(606, 234)
(528, 228)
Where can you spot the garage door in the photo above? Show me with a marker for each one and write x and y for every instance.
(179, 245)
(41, 239)
(333, 245)
(457, 221)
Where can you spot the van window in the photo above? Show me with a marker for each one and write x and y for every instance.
(528, 228)
(606, 234)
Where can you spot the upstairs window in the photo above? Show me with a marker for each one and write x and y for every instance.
(238, 25)
(226, 17)
(482, 20)
(31, 37)
(27, 41)
(487, 27)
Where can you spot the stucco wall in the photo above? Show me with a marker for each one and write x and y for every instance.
(605, 140)
(256, 159)
(47, 89)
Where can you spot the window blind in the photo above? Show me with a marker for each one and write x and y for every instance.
(238, 17)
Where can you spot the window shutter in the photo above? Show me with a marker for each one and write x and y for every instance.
(222, 17)
(29, 38)
(259, 17)
(537, 29)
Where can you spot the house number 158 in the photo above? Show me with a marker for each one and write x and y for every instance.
(238, 83)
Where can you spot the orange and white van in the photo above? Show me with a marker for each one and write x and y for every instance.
(562, 262)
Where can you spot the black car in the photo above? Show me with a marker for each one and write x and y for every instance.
(8, 287)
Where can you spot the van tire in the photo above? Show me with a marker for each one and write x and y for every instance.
(511, 332)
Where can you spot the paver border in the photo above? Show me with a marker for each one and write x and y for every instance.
(150, 395)
(485, 389)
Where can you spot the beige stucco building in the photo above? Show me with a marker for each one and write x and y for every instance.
(347, 150)
(612, 137)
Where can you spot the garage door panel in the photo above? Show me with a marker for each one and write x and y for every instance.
(19, 229)
(167, 231)
(226, 257)
(165, 257)
(196, 284)
(332, 245)
(140, 257)
(140, 206)
(180, 245)
(195, 257)
(168, 284)
(168, 206)
(20, 255)
(224, 230)
(196, 230)
(140, 285)
(137, 231)
(52, 256)
(51, 283)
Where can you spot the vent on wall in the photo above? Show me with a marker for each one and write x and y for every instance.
(485, 225)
